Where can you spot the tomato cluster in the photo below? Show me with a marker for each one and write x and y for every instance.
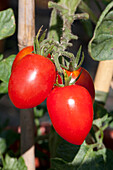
(70, 107)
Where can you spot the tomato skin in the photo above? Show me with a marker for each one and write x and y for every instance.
(25, 51)
(71, 111)
(84, 80)
(31, 81)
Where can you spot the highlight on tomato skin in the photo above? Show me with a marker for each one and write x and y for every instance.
(25, 51)
(84, 80)
(31, 81)
(71, 111)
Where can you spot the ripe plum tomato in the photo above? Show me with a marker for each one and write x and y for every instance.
(71, 111)
(31, 81)
(25, 51)
(84, 80)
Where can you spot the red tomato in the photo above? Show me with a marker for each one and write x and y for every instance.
(71, 112)
(84, 80)
(25, 51)
(31, 81)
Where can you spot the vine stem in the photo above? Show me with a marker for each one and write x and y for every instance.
(26, 34)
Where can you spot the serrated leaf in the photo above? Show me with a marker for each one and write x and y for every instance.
(5, 68)
(7, 23)
(101, 45)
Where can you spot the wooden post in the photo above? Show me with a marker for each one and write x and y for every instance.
(103, 80)
(26, 23)
(26, 33)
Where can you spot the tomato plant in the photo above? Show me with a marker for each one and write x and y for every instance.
(84, 80)
(31, 81)
(71, 112)
(25, 51)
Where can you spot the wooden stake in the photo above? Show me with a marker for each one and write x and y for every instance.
(103, 80)
(26, 33)
(26, 23)
(27, 137)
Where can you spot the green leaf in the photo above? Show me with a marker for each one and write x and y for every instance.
(21, 164)
(3, 145)
(89, 159)
(7, 23)
(86, 158)
(3, 88)
(5, 68)
(14, 163)
(66, 147)
(10, 163)
(101, 45)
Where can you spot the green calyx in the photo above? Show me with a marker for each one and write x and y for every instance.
(67, 79)
(42, 46)
(76, 63)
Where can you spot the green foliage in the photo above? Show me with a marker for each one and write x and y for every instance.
(3, 145)
(5, 68)
(87, 156)
(101, 45)
(81, 157)
(7, 28)
(5, 71)
(64, 154)
(92, 154)
(10, 163)
(7, 23)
